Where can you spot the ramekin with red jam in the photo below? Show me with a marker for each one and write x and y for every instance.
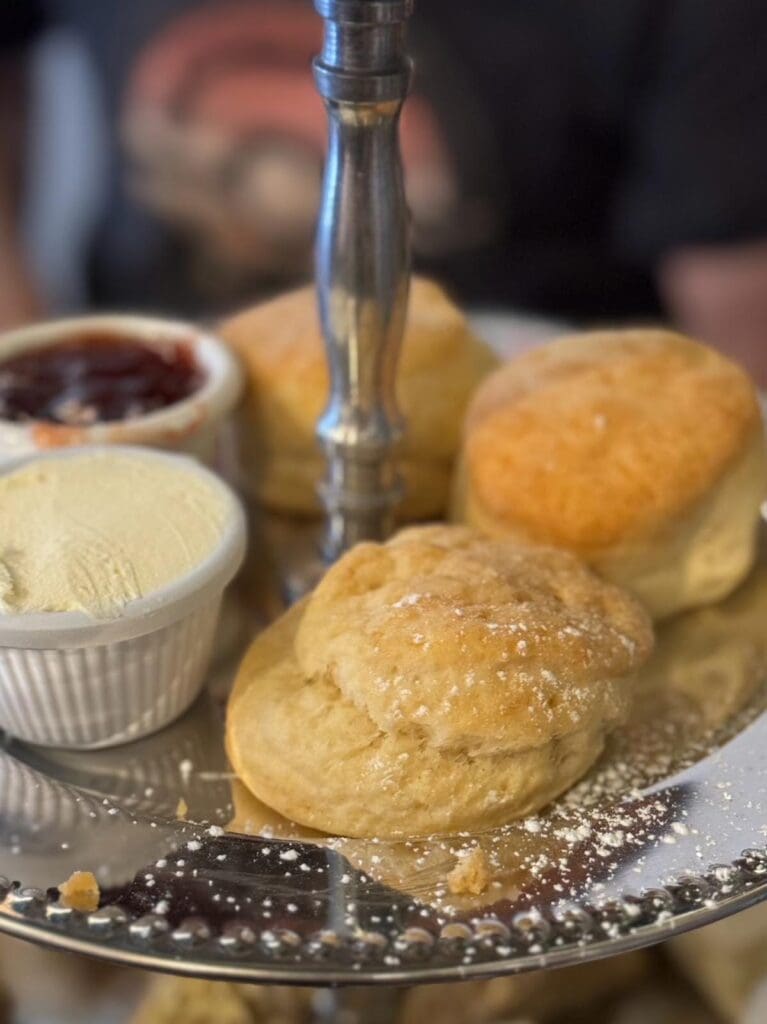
(114, 379)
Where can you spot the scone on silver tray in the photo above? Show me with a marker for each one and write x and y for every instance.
(439, 682)
(287, 385)
(641, 451)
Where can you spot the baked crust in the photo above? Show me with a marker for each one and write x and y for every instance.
(478, 645)
(614, 445)
(280, 345)
(340, 721)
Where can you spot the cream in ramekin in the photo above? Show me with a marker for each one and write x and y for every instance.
(190, 424)
(109, 614)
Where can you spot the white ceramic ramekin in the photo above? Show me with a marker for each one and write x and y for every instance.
(190, 426)
(69, 680)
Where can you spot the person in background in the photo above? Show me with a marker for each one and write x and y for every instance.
(18, 299)
(587, 161)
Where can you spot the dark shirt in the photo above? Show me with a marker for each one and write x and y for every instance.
(20, 22)
(621, 131)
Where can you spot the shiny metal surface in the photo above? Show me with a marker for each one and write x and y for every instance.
(363, 258)
(668, 832)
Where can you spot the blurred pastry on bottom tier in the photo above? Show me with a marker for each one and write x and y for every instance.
(727, 964)
(171, 1000)
(522, 998)
(439, 682)
(287, 386)
(641, 451)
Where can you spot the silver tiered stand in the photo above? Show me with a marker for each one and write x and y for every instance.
(680, 845)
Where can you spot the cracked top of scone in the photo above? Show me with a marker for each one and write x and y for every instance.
(476, 645)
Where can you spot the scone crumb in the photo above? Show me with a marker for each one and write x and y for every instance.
(182, 809)
(80, 892)
(471, 874)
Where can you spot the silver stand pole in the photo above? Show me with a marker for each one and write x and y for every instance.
(363, 261)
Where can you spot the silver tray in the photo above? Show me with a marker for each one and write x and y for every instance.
(668, 832)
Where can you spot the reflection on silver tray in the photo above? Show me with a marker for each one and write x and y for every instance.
(668, 831)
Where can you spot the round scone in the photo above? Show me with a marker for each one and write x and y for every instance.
(281, 348)
(641, 451)
(439, 682)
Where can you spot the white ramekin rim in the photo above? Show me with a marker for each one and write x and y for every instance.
(217, 395)
(52, 630)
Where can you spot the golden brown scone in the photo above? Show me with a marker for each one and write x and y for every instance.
(436, 683)
(280, 345)
(641, 451)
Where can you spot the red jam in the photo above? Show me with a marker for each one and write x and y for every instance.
(96, 377)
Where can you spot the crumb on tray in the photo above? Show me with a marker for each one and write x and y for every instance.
(471, 875)
(182, 809)
(80, 892)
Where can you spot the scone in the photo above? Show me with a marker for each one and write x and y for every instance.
(531, 998)
(281, 348)
(727, 964)
(641, 451)
(170, 1000)
(436, 683)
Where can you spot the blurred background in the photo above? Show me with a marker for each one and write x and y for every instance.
(574, 161)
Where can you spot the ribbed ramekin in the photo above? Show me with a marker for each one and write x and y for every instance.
(70, 680)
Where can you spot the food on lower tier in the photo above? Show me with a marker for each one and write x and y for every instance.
(97, 529)
(170, 1000)
(641, 451)
(281, 348)
(94, 377)
(439, 682)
